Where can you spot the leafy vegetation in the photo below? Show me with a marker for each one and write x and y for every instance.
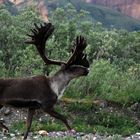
(114, 60)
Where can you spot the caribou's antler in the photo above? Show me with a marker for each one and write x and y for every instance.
(39, 36)
(78, 57)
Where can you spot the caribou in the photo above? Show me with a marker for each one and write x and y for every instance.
(43, 92)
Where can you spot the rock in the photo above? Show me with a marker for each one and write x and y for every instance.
(30, 134)
(2, 120)
(88, 137)
(43, 133)
(134, 107)
(103, 104)
(80, 134)
(73, 131)
(5, 138)
(18, 133)
(138, 134)
(14, 138)
(91, 136)
(36, 137)
(12, 135)
(128, 138)
(40, 119)
(59, 134)
(7, 111)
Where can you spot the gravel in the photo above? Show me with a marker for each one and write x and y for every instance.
(64, 134)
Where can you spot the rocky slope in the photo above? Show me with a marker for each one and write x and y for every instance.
(127, 7)
(20, 4)
(40, 4)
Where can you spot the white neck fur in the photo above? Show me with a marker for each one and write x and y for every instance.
(58, 84)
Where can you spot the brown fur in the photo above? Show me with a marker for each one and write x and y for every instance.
(36, 92)
(26, 90)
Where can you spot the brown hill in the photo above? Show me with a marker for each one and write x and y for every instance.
(127, 7)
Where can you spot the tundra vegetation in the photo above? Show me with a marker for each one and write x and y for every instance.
(105, 98)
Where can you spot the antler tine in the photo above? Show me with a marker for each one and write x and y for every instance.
(80, 57)
(36, 26)
(39, 36)
(79, 46)
(34, 31)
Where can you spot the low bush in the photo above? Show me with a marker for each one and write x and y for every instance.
(106, 81)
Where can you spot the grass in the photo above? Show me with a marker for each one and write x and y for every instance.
(86, 118)
(108, 83)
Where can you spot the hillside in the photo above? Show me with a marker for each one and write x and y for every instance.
(127, 7)
(108, 17)
(11, 7)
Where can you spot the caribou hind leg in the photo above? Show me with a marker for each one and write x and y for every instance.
(58, 116)
(1, 123)
(29, 122)
(4, 127)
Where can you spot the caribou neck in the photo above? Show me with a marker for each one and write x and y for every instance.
(59, 82)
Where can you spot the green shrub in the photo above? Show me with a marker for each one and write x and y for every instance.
(106, 81)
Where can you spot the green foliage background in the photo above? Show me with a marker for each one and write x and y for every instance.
(114, 55)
